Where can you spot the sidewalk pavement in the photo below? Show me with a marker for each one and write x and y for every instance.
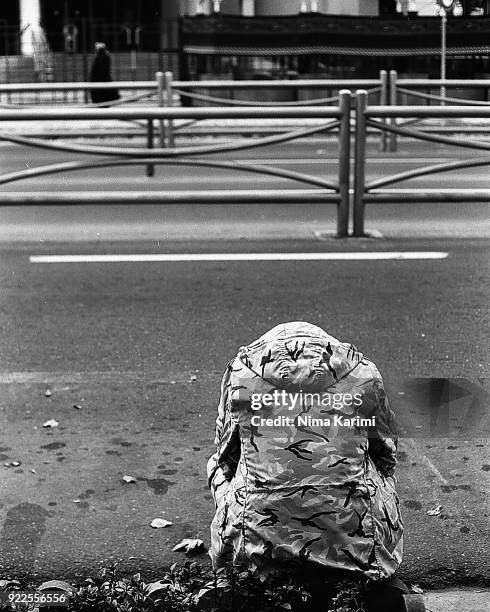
(460, 600)
(67, 509)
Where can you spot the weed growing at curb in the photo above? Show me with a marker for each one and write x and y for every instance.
(188, 587)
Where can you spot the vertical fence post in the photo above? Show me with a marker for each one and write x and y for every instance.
(344, 163)
(383, 101)
(360, 162)
(393, 102)
(150, 168)
(160, 103)
(169, 77)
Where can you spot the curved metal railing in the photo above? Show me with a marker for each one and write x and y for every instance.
(371, 191)
(403, 131)
(427, 170)
(262, 103)
(445, 99)
(320, 189)
(108, 104)
(252, 168)
(410, 87)
(138, 152)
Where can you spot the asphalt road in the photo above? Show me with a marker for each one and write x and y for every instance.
(313, 156)
(118, 345)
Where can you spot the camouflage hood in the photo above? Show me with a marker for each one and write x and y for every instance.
(290, 482)
(299, 356)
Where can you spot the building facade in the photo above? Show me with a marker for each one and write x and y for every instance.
(257, 38)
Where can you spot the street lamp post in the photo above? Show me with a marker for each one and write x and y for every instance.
(444, 7)
(443, 52)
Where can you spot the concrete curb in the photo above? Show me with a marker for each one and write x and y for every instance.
(458, 600)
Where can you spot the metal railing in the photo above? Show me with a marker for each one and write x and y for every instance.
(378, 118)
(164, 82)
(417, 88)
(167, 92)
(370, 191)
(319, 190)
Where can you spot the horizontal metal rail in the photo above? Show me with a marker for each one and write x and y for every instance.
(74, 86)
(417, 196)
(279, 84)
(370, 192)
(439, 112)
(245, 196)
(229, 84)
(152, 112)
(464, 83)
(134, 198)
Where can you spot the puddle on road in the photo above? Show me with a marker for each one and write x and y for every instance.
(159, 485)
(54, 446)
(21, 533)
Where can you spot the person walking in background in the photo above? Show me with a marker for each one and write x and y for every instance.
(100, 72)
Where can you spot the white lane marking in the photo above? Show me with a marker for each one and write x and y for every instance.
(179, 257)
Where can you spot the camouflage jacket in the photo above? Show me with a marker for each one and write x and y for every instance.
(305, 474)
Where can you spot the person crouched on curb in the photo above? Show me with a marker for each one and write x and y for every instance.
(303, 473)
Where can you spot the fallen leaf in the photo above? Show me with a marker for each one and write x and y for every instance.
(158, 523)
(51, 423)
(417, 589)
(56, 586)
(128, 479)
(4, 584)
(190, 546)
(435, 511)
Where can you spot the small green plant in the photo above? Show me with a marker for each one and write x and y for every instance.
(188, 587)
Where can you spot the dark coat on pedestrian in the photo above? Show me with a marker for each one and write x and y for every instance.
(100, 72)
